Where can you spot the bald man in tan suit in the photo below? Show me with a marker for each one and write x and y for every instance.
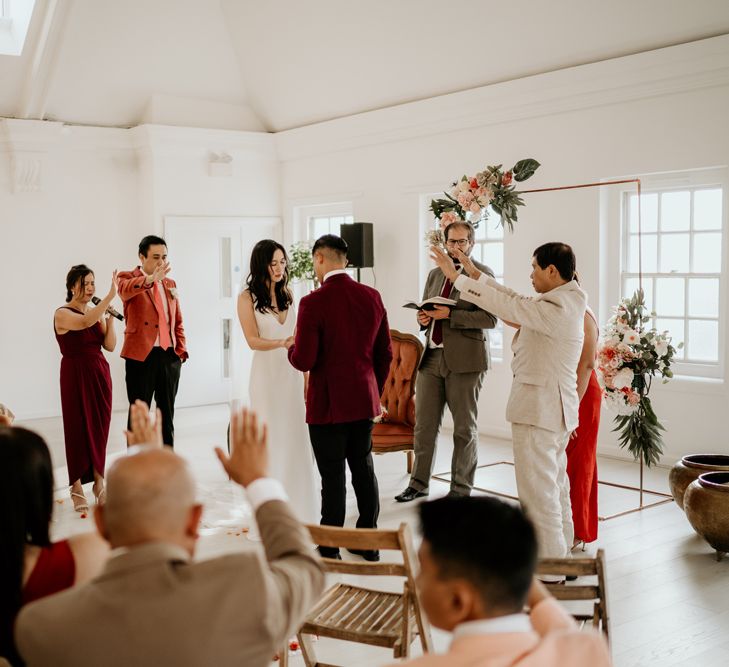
(152, 605)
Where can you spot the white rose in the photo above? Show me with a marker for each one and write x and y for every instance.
(661, 347)
(631, 337)
(623, 378)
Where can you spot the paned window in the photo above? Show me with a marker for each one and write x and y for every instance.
(682, 253)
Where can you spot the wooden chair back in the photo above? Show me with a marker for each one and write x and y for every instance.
(364, 615)
(579, 591)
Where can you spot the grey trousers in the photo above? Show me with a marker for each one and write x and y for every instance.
(435, 388)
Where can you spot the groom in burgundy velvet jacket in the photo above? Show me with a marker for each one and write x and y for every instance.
(343, 340)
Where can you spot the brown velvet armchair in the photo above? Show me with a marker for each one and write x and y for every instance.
(394, 433)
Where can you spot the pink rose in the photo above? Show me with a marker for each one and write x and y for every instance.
(475, 207)
(633, 398)
(465, 199)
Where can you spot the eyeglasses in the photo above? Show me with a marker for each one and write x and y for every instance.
(461, 243)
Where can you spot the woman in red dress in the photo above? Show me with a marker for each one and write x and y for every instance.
(81, 332)
(31, 566)
(582, 447)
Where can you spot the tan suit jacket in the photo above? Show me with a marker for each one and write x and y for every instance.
(554, 642)
(153, 606)
(546, 349)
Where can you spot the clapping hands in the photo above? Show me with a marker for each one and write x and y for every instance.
(248, 460)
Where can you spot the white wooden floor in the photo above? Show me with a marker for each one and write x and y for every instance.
(669, 598)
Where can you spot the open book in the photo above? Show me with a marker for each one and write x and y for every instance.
(430, 304)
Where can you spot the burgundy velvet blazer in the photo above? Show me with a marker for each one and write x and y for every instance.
(343, 340)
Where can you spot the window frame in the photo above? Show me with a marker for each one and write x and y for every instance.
(659, 184)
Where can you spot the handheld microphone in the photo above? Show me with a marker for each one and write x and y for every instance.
(114, 313)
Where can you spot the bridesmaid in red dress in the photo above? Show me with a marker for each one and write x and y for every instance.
(81, 332)
(582, 447)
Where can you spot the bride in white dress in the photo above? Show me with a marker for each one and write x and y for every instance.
(268, 317)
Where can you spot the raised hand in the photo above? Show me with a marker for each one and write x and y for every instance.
(248, 460)
(467, 263)
(144, 431)
(114, 284)
(444, 262)
(161, 271)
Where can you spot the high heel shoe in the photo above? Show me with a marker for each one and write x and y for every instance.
(578, 545)
(80, 504)
(100, 497)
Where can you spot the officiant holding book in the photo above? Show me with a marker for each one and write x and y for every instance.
(451, 373)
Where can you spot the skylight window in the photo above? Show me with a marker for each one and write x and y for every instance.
(14, 21)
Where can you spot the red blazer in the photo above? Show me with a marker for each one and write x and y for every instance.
(142, 319)
(343, 340)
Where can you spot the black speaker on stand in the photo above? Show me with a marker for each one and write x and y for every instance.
(360, 253)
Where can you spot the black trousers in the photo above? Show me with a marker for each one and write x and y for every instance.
(335, 444)
(157, 376)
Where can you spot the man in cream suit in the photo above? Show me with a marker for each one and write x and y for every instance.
(543, 405)
(152, 605)
(478, 592)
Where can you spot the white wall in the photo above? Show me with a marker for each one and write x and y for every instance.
(94, 192)
(659, 111)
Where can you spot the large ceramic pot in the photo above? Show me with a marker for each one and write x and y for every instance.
(706, 504)
(689, 468)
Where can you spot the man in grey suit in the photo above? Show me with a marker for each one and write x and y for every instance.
(152, 605)
(543, 405)
(451, 373)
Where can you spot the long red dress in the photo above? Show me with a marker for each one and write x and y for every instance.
(85, 401)
(582, 463)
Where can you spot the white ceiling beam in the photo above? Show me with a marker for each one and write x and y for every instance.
(34, 96)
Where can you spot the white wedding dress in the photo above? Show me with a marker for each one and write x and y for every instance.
(276, 393)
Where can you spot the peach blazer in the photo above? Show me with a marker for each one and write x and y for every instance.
(555, 642)
(141, 316)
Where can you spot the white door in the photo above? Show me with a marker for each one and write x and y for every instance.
(210, 258)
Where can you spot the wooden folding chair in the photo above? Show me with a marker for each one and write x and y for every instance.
(364, 615)
(575, 591)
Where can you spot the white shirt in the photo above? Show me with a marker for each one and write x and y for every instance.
(335, 272)
(264, 490)
(494, 626)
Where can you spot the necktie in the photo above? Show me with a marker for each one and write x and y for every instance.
(437, 335)
(164, 328)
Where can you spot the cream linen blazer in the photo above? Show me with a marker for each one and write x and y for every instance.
(546, 349)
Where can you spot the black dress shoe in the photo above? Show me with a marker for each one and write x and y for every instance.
(371, 555)
(327, 552)
(410, 494)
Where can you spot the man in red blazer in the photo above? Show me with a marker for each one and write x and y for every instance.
(154, 338)
(343, 340)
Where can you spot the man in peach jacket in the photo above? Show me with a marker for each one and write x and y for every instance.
(477, 560)
(154, 339)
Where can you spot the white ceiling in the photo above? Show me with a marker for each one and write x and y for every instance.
(279, 64)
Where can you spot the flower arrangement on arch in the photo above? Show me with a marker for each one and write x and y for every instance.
(494, 188)
(628, 360)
